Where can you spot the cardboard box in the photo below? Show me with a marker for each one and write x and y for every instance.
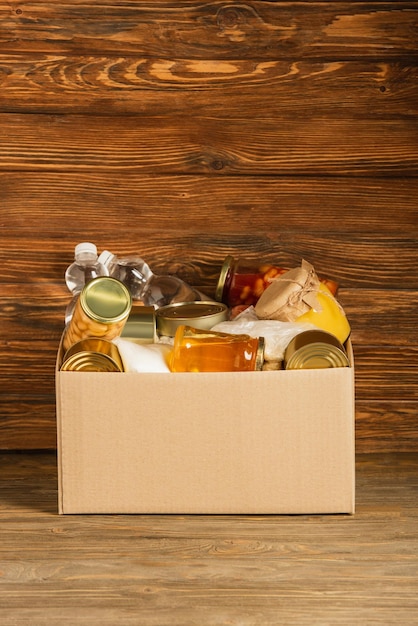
(275, 442)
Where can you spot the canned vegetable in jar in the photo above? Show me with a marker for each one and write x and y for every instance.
(241, 281)
(101, 311)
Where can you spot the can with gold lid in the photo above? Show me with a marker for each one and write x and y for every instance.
(102, 309)
(314, 349)
(141, 324)
(200, 314)
(92, 355)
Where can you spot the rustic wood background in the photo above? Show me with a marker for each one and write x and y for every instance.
(185, 131)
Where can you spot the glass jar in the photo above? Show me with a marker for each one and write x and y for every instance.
(101, 311)
(197, 350)
(330, 317)
(241, 281)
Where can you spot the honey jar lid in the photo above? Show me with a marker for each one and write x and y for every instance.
(105, 299)
(200, 314)
(223, 276)
(315, 349)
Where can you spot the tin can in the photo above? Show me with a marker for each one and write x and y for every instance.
(200, 314)
(315, 349)
(92, 355)
(141, 324)
(197, 350)
(101, 311)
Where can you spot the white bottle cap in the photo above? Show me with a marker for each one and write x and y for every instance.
(85, 246)
(106, 257)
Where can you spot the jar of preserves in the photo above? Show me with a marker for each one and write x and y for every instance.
(242, 282)
(101, 311)
(197, 350)
(299, 296)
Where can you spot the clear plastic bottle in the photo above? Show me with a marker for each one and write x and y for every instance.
(85, 267)
(151, 289)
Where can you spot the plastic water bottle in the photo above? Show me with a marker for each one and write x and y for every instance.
(85, 267)
(151, 289)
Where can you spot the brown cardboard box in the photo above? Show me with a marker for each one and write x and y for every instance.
(239, 443)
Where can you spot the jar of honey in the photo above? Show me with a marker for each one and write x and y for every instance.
(241, 281)
(102, 309)
(197, 350)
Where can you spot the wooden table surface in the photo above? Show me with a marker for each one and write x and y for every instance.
(180, 570)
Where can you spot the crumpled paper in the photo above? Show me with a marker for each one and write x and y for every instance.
(277, 335)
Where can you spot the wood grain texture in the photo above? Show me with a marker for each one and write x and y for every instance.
(251, 570)
(213, 29)
(145, 145)
(132, 85)
(186, 131)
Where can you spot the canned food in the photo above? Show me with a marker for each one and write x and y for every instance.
(92, 355)
(315, 349)
(141, 324)
(101, 311)
(201, 314)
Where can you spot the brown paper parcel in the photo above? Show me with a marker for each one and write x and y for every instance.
(291, 295)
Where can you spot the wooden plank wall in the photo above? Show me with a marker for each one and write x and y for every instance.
(185, 131)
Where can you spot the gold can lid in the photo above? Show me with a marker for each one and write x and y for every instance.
(315, 349)
(200, 314)
(92, 355)
(141, 324)
(259, 361)
(105, 299)
(225, 269)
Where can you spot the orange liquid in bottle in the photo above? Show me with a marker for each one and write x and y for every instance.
(198, 350)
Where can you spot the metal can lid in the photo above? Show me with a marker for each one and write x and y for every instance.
(200, 314)
(92, 355)
(105, 299)
(223, 276)
(259, 361)
(141, 324)
(315, 349)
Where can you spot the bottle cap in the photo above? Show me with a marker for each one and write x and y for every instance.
(85, 248)
(200, 314)
(106, 257)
